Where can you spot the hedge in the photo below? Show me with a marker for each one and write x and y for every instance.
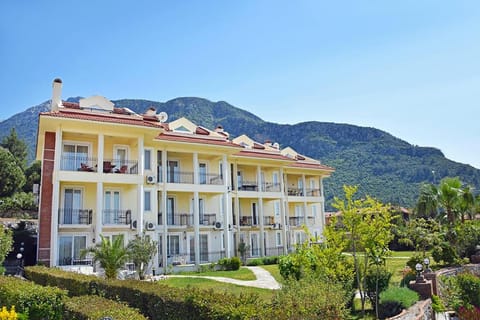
(394, 300)
(95, 307)
(38, 301)
(156, 300)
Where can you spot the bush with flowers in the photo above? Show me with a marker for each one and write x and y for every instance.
(5, 314)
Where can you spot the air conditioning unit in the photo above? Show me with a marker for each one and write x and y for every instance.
(150, 179)
(218, 225)
(150, 226)
(133, 225)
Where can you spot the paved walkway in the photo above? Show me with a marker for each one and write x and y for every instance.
(264, 279)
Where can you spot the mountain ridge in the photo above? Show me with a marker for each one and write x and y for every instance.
(384, 166)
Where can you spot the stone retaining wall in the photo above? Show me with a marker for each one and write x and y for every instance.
(422, 310)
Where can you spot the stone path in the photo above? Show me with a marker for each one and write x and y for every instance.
(264, 279)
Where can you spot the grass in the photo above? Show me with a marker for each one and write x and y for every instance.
(240, 274)
(206, 284)
(273, 269)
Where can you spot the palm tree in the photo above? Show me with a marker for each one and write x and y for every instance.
(467, 203)
(110, 255)
(427, 203)
(449, 197)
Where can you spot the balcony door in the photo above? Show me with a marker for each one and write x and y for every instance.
(69, 248)
(72, 204)
(111, 207)
(202, 171)
(173, 171)
(121, 156)
(254, 214)
(201, 211)
(170, 211)
(74, 154)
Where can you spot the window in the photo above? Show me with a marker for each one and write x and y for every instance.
(254, 245)
(121, 156)
(72, 205)
(314, 211)
(74, 154)
(173, 174)
(276, 208)
(202, 171)
(147, 201)
(111, 207)
(69, 249)
(147, 157)
(278, 237)
(220, 169)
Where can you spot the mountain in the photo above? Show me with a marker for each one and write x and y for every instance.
(383, 166)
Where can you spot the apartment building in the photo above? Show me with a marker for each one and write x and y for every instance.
(198, 192)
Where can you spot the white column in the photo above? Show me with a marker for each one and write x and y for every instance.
(164, 209)
(322, 205)
(99, 212)
(227, 208)
(284, 208)
(196, 210)
(55, 197)
(260, 210)
(100, 152)
(237, 204)
(304, 192)
(141, 156)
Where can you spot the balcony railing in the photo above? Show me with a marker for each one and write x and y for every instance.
(75, 216)
(313, 192)
(180, 177)
(310, 220)
(271, 187)
(187, 219)
(120, 166)
(298, 192)
(210, 178)
(78, 163)
(268, 220)
(296, 221)
(248, 221)
(248, 186)
(117, 216)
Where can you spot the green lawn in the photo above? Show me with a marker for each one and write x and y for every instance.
(206, 284)
(241, 274)
(273, 269)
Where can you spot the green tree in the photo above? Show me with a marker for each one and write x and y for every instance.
(32, 175)
(449, 197)
(366, 224)
(110, 255)
(11, 175)
(17, 147)
(141, 251)
(6, 241)
(422, 234)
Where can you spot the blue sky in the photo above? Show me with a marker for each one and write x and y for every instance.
(411, 68)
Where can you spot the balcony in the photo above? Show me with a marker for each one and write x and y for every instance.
(295, 192)
(296, 221)
(248, 221)
(310, 220)
(117, 216)
(187, 219)
(75, 216)
(78, 163)
(268, 220)
(271, 187)
(210, 178)
(188, 177)
(248, 186)
(120, 166)
(313, 193)
(180, 177)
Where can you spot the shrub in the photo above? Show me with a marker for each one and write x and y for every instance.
(437, 304)
(394, 299)
(11, 314)
(409, 276)
(255, 262)
(310, 298)
(229, 264)
(270, 260)
(445, 253)
(469, 313)
(156, 300)
(38, 301)
(95, 307)
(416, 258)
(371, 282)
(469, 286)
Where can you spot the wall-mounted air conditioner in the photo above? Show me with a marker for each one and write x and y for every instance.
(218, 225)
(150, 226)
(133, 225)
(150, 179)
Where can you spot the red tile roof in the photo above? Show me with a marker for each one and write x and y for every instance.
(262, 154)
(311, 165)
(72, 113)
(191, 138)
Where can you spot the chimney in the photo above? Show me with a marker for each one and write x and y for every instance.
(219, 128)
(56, 95)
